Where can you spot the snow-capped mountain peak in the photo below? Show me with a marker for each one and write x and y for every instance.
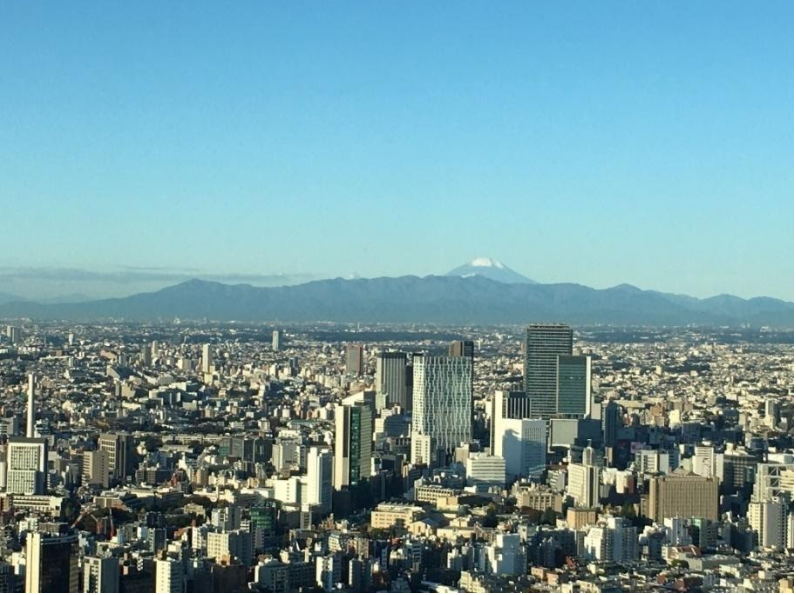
(491, 269)
(485, 261)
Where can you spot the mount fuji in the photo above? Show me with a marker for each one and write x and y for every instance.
(491, 269)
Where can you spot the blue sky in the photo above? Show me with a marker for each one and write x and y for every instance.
(594, 142)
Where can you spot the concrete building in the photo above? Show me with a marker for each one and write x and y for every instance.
(354, 359)
(485, 470)
(521, 442)
(320, 467)
(612, 540)
(26, 466)
(169, 576)
(683, 494)
(391, 378)
(100, 575)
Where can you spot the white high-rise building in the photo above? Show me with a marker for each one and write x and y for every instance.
(169, 576)
(31, 406)
(583, 484)
(320, 465)
(507, 555)
(613, 539)
(26, 466)
(442, 406)
(207, 359)
(706, 462)
(276, 341)
(769, 518)
(521, 442)
(100, 575)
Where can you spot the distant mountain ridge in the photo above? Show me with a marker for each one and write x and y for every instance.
(433, 299)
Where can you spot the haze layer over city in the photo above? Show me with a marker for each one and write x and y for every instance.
(431, 298)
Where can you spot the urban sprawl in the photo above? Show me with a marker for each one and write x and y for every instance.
(199, 457)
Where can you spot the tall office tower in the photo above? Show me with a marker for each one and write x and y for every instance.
(96, 468)
(353, 443)
(543, 344)
(320, 469)
(461, 349)
(772, 413)
(684, 495)
(154, 349)
(442, 406)
(391, 377)
(51, 563)
(100, 575)
(71, 339)
(354, 359)
(768, 518)
(146, 355)
(31, 406)
(169, 576)
(121, 456)
(521, 442)
(611, 422)
(13, 334)
(26, 465)
(207, 359)
(276, 340)
(573, 388)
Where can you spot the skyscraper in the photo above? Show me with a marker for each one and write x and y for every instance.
(611, 422)
(207, 359)
(320, 464)
(31, 406)
(391, 377)
(768, 518)
(442, 405)
(120, 454)
(276, 340)
(52, 563)
(543, 344)
(353, 439)
(26, 464)
(354, 359)
(573, 388)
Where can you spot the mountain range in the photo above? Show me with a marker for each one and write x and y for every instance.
(449, 299)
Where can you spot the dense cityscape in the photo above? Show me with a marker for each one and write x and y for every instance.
(195, 457)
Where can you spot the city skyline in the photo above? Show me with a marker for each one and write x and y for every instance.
(258, 140)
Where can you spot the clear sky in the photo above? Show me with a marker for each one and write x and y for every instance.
(595, 142)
